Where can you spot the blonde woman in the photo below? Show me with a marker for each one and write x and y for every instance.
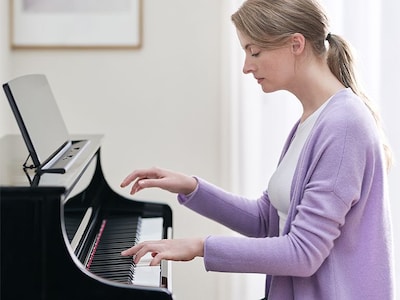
(321, 229)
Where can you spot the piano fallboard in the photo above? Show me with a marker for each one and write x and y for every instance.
(41, 215)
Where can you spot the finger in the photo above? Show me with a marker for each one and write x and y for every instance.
(148, 183)
(146, 248)
(142, 183)
(134, 176)
(129, 252)
(135, 188)
(156, 261)
(136, 252)
(129, 179)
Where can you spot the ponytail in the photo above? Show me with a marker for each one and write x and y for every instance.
(341, 63)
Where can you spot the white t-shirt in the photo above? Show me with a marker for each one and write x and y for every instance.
(281, 181)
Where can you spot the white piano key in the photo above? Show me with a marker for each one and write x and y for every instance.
(151, 229)
(147, 275)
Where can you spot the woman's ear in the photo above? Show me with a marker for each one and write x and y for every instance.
(298, 43)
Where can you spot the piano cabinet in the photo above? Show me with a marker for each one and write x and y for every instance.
(37, 259)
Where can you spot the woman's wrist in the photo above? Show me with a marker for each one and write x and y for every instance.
(190, 186)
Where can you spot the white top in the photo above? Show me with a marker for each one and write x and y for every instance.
(281, 181)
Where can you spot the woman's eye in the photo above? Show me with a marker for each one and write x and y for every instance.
(255, 54)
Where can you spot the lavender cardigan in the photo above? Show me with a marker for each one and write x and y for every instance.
(337, 242)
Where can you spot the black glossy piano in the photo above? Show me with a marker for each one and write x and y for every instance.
(61, 234)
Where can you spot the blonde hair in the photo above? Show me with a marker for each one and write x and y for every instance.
(270, 23)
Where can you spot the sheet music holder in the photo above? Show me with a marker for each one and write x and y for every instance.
(41, 124)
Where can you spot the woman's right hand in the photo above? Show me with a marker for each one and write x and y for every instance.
(173, 182)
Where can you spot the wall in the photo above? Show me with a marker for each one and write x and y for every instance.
(390, 112)
(156, 106)
(5, 118)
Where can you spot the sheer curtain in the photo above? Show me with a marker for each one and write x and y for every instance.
(259, 123)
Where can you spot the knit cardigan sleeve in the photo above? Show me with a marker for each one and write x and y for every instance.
(334, 172)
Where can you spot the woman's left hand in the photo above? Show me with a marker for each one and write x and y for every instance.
(169, 249)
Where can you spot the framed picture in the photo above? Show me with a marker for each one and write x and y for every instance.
(81, 24)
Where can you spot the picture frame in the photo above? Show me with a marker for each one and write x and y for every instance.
(76, 24)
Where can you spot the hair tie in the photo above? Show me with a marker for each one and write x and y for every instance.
(328, 37)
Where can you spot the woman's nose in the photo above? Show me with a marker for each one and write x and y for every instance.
(247, 67)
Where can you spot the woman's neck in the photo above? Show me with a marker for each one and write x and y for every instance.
(315, 86)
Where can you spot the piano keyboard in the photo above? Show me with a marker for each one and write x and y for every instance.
(118, 233)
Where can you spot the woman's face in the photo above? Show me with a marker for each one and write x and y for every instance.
(273, 69)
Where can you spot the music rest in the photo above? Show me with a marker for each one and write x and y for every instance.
(41, 124)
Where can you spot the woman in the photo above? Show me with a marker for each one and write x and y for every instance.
(322, 228)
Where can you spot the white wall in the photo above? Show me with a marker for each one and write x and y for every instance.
(390, 110)
(159, 105)
(5, 119)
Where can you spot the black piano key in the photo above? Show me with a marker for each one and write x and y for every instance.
(119, 233)
(112, 272)
(110, 261)
(108, 250)
(116, 245)
(111, 267)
